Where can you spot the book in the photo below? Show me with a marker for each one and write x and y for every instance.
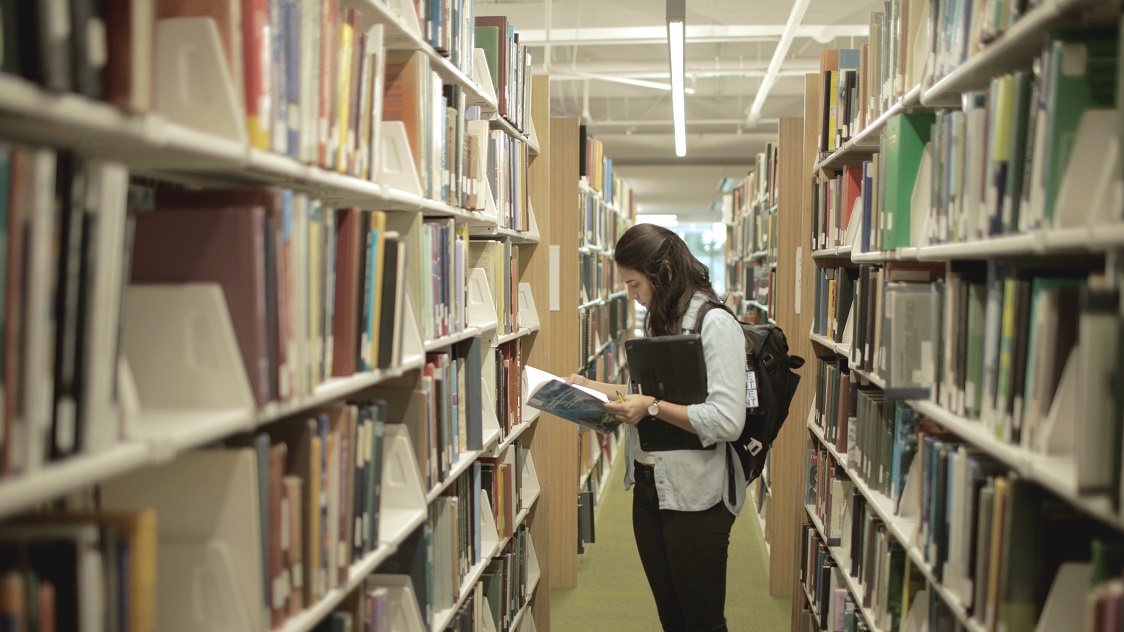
(583, 406)
(218, 245)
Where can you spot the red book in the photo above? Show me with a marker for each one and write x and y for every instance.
(852, 189)
(257, 53)
(345, 322)
(329, 67)
(217, 245)
(278, 276)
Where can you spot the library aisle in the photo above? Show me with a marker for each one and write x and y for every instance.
(612, 593)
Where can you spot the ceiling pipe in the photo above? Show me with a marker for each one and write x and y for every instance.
(628, 81)
(799, 8)
(697, 34)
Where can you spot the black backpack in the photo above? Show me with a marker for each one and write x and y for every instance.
(769, 368)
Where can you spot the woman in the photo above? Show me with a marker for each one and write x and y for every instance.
(682, 511)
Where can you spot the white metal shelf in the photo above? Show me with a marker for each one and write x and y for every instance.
(153, 146)
(452, 339)
(870, 378)
(840, 252)
(499, 122)
(163, 434)
(515, 335)
(513, 435)
(59, 477)
(839, 349)
(491, 230)
(464, 461)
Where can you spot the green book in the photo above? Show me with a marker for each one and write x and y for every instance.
(1082, 76)
(903, 144)
(488, 38)
(1022, 562)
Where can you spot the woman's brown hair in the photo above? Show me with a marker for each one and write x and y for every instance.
(675, 274)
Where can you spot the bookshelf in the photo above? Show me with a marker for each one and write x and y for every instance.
(751, 238)
(994, 422)
(199, 418)
(763, 253)
(605, 210)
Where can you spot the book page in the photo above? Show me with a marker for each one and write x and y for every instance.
(583, 406)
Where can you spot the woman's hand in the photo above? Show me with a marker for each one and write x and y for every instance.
(577, 379)
(631, 410)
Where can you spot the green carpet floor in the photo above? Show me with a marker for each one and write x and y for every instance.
(612, 593)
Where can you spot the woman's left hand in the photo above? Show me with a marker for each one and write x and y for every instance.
(631, 410)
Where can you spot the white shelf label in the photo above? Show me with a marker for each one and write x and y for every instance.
(799, 278)
(555, 281)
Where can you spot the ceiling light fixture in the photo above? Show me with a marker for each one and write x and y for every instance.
(676, 18)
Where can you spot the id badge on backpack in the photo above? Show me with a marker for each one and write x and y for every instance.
(752, 402)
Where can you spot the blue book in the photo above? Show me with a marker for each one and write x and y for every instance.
(905, 447)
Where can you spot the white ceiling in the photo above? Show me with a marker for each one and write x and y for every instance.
(730, 44)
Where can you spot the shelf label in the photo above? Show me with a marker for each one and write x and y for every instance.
(799, 278)
(555, 281)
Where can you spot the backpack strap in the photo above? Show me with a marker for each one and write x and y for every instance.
(703, 309)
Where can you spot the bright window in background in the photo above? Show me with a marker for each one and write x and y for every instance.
(707, 241)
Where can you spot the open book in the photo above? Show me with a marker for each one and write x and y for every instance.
(583, 406)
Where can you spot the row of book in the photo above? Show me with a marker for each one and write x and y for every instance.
(1008, 344)
(860, 84)
(307, 76)
(1024, 155)
(444, 299)
(442, 410)
(834, 202)
(755, 231)
(602, 324)
(502, 478)
(965, 27)
(602, 223)
(596, 170)
(313, 292)
(506, 580)
(1028, 152)
(509, 62)
(434, 561)
(509, 386)
(834, 295)
(367, 609)
(293, 507)
(79, 571)
(500, 262)
(598, 277)
(957, 508)
(893, 309)
(66, 241)
(454, 529)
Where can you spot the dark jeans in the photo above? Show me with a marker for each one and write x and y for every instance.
(684, 557)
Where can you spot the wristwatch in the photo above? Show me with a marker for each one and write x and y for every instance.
(654, 408)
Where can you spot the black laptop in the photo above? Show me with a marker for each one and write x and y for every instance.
(673, 369)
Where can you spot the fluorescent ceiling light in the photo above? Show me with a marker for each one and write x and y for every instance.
(675, 46)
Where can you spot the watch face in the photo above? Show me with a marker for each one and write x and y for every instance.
(654, 408)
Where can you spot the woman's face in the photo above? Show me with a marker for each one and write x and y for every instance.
(638, 286)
